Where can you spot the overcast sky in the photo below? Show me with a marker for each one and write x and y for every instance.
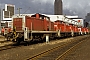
(70, 7)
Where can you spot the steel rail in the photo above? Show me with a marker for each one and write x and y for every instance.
(9, 46)
(45, 52)
(48, 51)
(61, 57)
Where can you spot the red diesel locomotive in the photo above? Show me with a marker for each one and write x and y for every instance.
(38, 26)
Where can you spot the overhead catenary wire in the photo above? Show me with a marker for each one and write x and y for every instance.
(26, 10)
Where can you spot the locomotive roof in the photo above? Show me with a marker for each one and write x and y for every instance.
(39, 15)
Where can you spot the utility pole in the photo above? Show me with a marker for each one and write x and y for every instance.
(19, 10)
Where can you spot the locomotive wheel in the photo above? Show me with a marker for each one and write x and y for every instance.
(18, 41)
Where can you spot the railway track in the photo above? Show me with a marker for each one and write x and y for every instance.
(58, 52)
(9, 46)
(67, 52)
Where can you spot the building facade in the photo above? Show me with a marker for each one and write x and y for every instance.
(6, 15)
(58, 10)
(8, 12)
(87, 19)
